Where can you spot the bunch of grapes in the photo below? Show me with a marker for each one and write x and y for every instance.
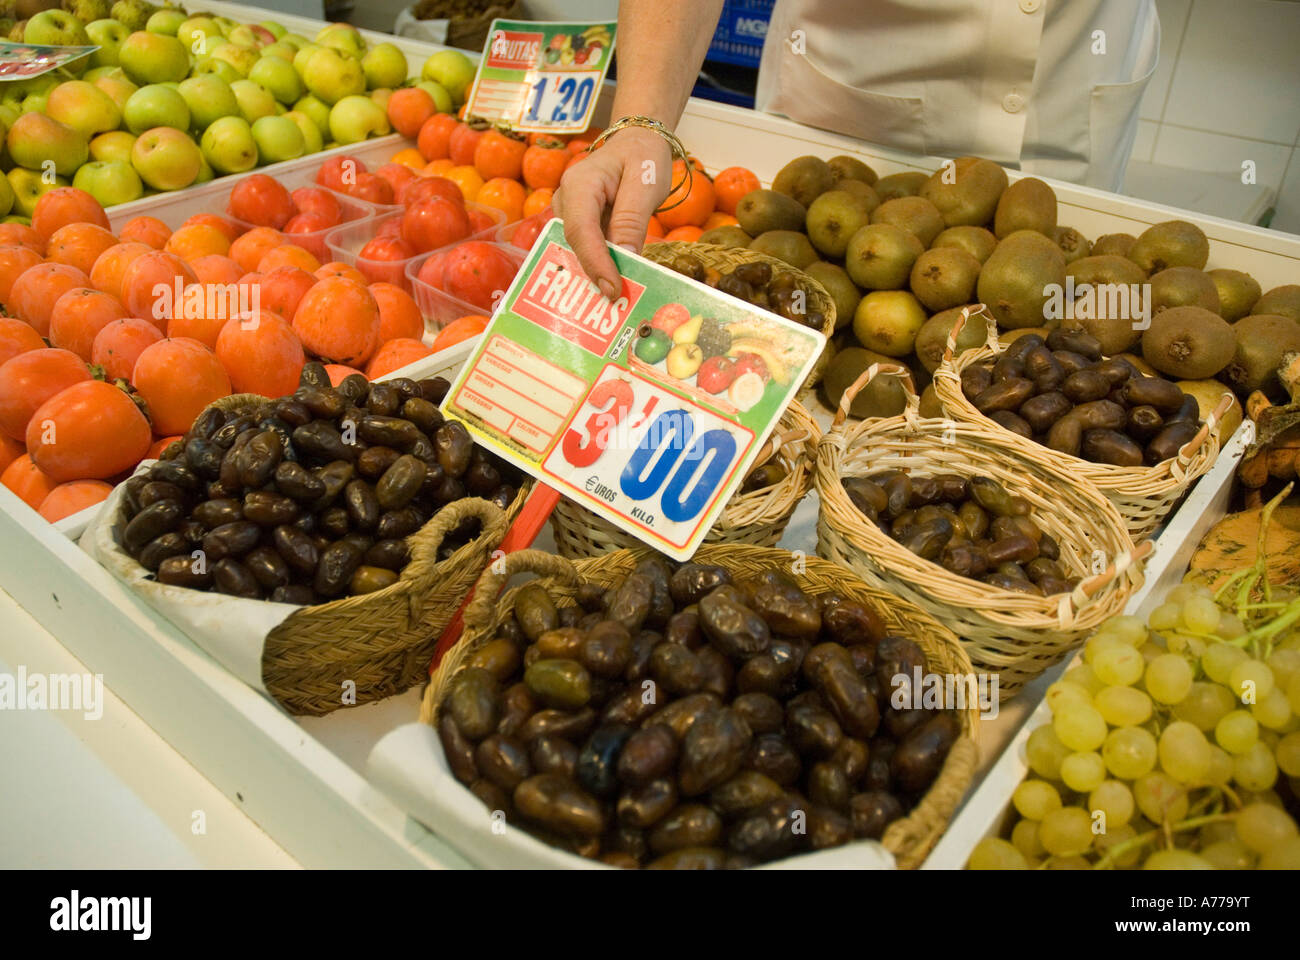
(1174, 745)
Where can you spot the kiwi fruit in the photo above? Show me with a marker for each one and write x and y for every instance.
(977, 241)
(1189, 343)
(944, 277)
(1238, 292)
(880, 256)
(833, 218)
(1010, 336)
(966, 191)
(888, 322)
(915, 214)
(861, 191)
(1262, 339)
(882, 397)
(1140, 364)
(1104, 289)
(851, 168)
(1208, 393)
(931, 406)
(1113, 245)
(804, 179)
(839, 286)
(762, 210)
(1174, 243)
(1105, 268)
(932, 338)
(1183, 287)
(1073, 244)
(728, 235)
(1283, 301)
(900, 185)
(1014, 281)
(1028, 204)
(788, 245)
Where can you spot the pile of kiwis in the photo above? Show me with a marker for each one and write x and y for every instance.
(902, 254)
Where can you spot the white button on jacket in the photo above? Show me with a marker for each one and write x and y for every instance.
(1049, 86)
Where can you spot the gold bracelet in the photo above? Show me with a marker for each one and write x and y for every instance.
(674, 144)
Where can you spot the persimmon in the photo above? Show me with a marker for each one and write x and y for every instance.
(468, 179)
(409, 157)
(336, 268)
(462, 328)
(731, 185)
(544, 164)
(10, 450)
(394, 355)
(500, 154)
(421, 188)
(397, 176)
(17, 337)
(408, 109)
(338, 320)
(228, 229)
(433, 223)
(73, 497)
(78, 245)
(119, 345)
(338, 372)
(177, 379)
(25, 480)
(262, 355)
(505, 195)
(399, 316)
(90, 431)
(197, 240)
(281, 290)
(539, 201)
(107, 272)
(319, 201)
(202, 321)
(149, 286)
(482, 219)
(699, 199)
(159, 446)
(524, 234)
(66, 205)
(287, 255)
(719, 219)
(340, 171)
(575, 159)
(78, 317)
(148, 230)
(15, 259)
(31, 378)
(249, 249)
(33, 295)
(383, 259)
(262, 201)
(478, 272)
(463, 142)
(22, 235)
(438, 168)
(686, 234)
(216, 269)
(654, 229)
(579, 143)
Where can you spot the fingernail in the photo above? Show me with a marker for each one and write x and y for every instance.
(626, 246)
(607, 289)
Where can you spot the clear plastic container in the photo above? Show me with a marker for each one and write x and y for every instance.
(354, 213)
(432, 300)
(507, 232)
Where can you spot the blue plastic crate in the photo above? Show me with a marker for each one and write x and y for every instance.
(741, 31)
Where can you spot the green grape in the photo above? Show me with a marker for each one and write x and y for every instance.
(1205, 704)
(993, 853)
(1184, 752)
(1228, 855)
(1098, 642)
(1230, 626)
(1216, 832)
(1151, 650)
(1123, 706)
(1201, 615)
(1129, 752)
(1080, 726)
(1285, 664)
(1273, 711)
(1167, 616)
(1115, 800)
(1129, 629)
(1255, 769)
(1237, 732)
(1285, 856)
(1168, 678)
(1293, 693)
(1066, 832)
(1082, 772)
(1287, 754)
(1068, 863)
(1195, 647)
(1160, 797)
(1176, 642)
(1175, 860)
(1269, 738)
(1024, 836)
(1113, 837)
(1034, 799)
(1261, 826)
(1219, 659)
(1063, 692)
(1044, 752)
(1221, 767)
(1269, 797)
(1250, 681)
(1185, 591)
(1083, 676)
(1116, 665)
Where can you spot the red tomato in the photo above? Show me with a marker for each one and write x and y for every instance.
(376, 260)
(433, 223)
(478, 272)
(261, 201)
(339, 172)
(421, 188)
(318, 201)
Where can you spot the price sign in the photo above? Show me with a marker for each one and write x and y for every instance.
(648, 409)
(542, 77)
(22, 61)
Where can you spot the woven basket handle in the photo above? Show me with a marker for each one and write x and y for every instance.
(775, 442)
(1210, 426)
(974, 310)
(478, 612)
(1089, 588)
(869, 374)
(425, 544)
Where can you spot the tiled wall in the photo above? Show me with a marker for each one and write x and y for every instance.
(1228, 90)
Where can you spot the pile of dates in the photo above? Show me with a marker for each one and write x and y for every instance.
(1059, 392)
(755, 283)
(973, 528)
(314, 501)
(684, 719)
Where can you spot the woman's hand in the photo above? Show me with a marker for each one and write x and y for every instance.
(612, 194)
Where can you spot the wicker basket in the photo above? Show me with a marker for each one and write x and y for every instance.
(1143, 495)
(758, 518)
(468, 33)
(1013, 635)
(724, 259)
(908, 839)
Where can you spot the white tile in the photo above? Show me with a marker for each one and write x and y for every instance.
(1287, 215)
(1173, 17)
(1145, 142)
(1237, 72)
(1213, 152)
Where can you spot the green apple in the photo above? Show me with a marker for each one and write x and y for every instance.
(134, 14)
(209, 98)
(165, 21)
(196, 33)
(254, 100)
(282, 50)
(344, 38)
(279, 77)
(218, 68)
(275, 29)
(156, 106)
(206, 172)
(225, 25)
(114, 145)
(229, 146)
(441, 98)
(251, 35)
(117, 88)
(35, 138)
(311, 134)
(154, 57)
(297, 39)
(87, 10)
(84, 107)
(332, 76)
(98, 73)
(109, 181)
(56, 27)
(6, 197)
(303, 55)
(384, 66)
(381, 97)
(354, 118)
(166, 158)
(109, 34)
(277, 139)
(241, 58)
(28, 185)
(453, 70)
(35, 102)
(317, 111)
